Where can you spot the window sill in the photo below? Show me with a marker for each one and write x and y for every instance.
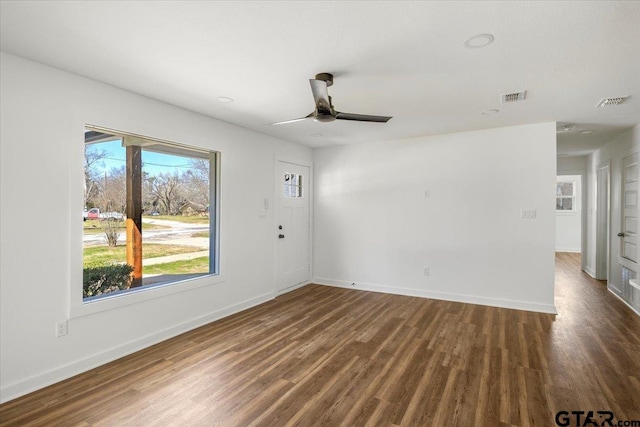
(93, 305)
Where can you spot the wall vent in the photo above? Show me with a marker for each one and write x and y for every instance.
(629, 291)
(605, 102)
(513, 96)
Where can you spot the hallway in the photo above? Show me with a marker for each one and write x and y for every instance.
(595, 342)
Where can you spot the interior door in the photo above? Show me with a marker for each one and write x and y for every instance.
(293, 224)
(629, 233)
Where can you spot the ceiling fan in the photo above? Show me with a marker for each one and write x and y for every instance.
(324, 111)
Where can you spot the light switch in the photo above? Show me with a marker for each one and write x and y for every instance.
(528, 214)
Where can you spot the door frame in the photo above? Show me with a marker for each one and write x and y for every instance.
(583, 214)
(276, 209)
(603, 237)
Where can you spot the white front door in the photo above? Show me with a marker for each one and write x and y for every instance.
(293, 224)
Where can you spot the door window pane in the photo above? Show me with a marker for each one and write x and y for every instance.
(292, 185)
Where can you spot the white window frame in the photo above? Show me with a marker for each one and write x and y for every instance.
(78, 306)
(573, 197)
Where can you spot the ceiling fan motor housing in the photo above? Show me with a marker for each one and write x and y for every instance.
(327, 77)
(324, 117)
(324, 111)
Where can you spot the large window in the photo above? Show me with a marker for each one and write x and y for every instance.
(150, 213)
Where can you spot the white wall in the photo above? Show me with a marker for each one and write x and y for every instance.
(613, 153)
(375, 227)
(571, 165)
(569, 224)
(43, 112)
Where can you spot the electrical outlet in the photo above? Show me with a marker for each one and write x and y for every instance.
(427, 194)
(426, 271)
(62, 328)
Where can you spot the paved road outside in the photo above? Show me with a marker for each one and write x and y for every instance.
(179, 233)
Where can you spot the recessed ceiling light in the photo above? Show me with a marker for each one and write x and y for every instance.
(224, 100)
(481, 40)
(487, 112)
(316, 135)
(586, 132)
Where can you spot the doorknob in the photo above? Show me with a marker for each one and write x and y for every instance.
(280, 236)
(620, 234)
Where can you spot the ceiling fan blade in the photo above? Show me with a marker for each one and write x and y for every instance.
(292, 120)
(362, 117)
(320, 95)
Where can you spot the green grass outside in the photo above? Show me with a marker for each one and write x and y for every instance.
(196, 265)
(196, 219)
(200, 234)
(97, 255)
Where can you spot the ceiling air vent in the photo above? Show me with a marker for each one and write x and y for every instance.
(512, 97)
(605, 102)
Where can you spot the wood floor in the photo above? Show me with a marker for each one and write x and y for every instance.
(340, 357)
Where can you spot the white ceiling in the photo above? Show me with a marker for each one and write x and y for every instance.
(402, 59)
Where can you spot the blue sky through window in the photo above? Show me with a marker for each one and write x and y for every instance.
(152, 163)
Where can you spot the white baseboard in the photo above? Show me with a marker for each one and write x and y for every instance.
(570, 250)
(469, 299)
(53, 376)
(293, 288)
(623, 300)
(590, 271)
